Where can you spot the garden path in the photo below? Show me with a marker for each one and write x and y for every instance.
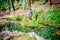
(44, 7)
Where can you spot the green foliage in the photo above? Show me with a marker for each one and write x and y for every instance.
(12, 26)
(12, 19)
(2, 4)
(40, 15)
(47, 32)
(23, 6)
(41, 25)
(43, 1)
(53, 16)
(8, 4)
(50, 17)
(18, 18)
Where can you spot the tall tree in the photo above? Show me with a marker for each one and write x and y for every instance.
(32, 1)
(50, 2)
(29, 3)
(12, 1)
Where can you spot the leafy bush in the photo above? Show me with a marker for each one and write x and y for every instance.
(40, 15)
(3, 4)
(13, 26)
(43, 18)
(50, 18)
(47, 32)
(53, 16)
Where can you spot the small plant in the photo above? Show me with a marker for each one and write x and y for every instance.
(44, 1)
(18, 18)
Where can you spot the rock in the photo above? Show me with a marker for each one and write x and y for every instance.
(39, 38)
(5, 33)
(32, 34)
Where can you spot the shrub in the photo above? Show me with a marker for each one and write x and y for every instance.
(47, 32)
(13, 26)
(53, 16)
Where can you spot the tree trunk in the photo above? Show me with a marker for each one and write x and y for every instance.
(18, 1)
(50, 2)
(32, 1)
(12, 1)
(29, 3)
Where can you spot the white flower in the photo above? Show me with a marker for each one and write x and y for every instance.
(31, 34)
